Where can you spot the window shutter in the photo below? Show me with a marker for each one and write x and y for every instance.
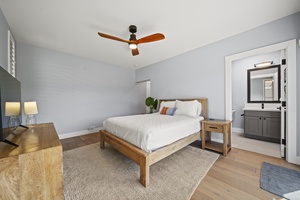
(11, 55)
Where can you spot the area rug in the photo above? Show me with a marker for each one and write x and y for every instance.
(94, 173)
(281, 181)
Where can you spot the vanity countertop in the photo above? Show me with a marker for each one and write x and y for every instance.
(260, 109)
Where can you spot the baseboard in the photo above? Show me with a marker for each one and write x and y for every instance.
(214, 140)
(237, 130)
(79, 133)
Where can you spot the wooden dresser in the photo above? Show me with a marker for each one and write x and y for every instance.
(34, 169)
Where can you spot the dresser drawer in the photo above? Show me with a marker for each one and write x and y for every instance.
(213, 127)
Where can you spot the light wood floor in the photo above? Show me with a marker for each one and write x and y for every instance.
(233, 177)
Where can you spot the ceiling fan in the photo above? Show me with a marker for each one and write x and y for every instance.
(133, 42)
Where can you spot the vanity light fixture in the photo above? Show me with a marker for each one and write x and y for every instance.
(263, 64)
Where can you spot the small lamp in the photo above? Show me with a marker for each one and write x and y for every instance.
(30, 109)
(13, 110)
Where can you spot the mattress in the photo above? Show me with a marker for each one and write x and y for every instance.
(152, 131)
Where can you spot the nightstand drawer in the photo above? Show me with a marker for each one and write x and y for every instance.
(213, 128)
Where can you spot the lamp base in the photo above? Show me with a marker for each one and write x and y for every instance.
(13, 122)
(30, 120)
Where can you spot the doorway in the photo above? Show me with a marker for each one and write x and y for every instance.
(239, 79)
(291, 125)
(146, 87)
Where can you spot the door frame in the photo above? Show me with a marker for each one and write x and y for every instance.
(290, 48)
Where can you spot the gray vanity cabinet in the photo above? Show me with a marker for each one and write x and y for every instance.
(263, 125)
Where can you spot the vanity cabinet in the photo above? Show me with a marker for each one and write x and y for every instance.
(263, 125)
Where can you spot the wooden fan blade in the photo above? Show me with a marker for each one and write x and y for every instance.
(151, 38)
(112, 37)
(135, 52)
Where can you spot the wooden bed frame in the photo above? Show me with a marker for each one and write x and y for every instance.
(146, 159)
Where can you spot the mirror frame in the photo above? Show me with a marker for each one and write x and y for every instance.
(249, 85)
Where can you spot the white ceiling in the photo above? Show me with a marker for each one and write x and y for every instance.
(71, 26)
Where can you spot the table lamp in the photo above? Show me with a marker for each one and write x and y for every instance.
(30, 109)
(13, 110)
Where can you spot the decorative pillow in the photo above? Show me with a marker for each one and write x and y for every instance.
(189, 108)
(170, 104)
(168, 111)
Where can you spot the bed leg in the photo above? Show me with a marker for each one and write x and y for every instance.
(102, 143)
(144, 170)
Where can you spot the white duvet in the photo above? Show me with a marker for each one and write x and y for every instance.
(152, 131)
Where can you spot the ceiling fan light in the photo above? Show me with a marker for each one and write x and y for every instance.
(132, 46)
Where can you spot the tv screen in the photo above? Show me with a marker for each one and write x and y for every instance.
(10, 91)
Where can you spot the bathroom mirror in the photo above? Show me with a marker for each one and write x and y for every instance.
(263, 85)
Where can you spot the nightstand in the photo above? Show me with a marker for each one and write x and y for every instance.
(218, 126)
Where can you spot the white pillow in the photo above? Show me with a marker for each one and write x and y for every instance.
(189, 108)
(170, 104)
(199, 110)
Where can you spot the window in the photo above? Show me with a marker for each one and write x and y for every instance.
(11, 55)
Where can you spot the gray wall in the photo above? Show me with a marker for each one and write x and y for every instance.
(3, 41)
(73, 92)
(239, 83)
(200, 73)
(55, 77)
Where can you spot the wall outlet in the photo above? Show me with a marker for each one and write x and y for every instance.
(91, 127)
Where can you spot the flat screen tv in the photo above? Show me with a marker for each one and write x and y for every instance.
(10, 91)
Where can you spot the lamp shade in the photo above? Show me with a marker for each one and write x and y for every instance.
(30, 108)
(12, 108)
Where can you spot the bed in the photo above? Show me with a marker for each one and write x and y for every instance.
(144, 156)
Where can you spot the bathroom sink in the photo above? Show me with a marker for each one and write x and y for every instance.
(262, 107)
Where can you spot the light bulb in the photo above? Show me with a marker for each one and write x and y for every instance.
(132, 46)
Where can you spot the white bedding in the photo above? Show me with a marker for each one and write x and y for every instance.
(152, 131)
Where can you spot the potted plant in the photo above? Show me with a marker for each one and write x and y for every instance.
(151, 103)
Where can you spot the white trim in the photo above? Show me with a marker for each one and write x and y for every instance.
(237, 130)
(290, 47)
(291, 101)
(214, 140)
(217, 140)
(78, 133)
(283, 111)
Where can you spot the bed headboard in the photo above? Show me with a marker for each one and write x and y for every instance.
(203, 101)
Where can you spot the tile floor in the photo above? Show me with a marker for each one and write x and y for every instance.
(258, 146)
